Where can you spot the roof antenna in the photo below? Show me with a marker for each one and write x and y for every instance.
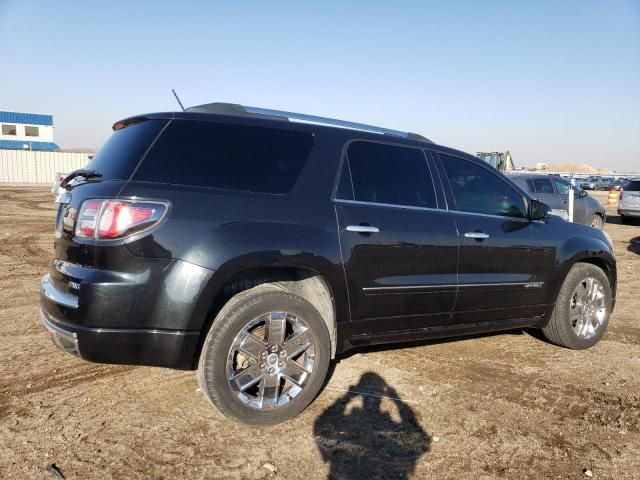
(178, 99)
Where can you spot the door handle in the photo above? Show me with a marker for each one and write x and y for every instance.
(476, 235)
(363, 229)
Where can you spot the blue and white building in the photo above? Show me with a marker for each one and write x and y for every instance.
(26, 131)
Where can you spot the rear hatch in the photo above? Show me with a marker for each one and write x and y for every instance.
(112, 167)
(630, 195)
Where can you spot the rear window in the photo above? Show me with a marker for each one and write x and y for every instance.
(632, 186)
(234, 157)
(118, 157)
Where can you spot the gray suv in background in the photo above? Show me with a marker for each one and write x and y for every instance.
(554, 191)
(629, 204)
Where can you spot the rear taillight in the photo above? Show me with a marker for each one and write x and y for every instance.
(106, 219)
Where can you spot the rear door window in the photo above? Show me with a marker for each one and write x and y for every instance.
(118, 157)
(234, 157)
(389, 174)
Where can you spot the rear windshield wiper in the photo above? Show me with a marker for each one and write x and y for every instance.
(86, 174)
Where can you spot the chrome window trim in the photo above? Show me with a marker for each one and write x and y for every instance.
(520, 219)
(388, 205)
(52, 293)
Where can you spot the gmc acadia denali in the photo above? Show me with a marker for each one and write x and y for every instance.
(254, 245)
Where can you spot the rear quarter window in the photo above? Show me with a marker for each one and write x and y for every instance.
(118, 157)
(233, 157)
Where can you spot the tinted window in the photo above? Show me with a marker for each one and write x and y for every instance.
(477, 190)
(542, 185)
(235, 157)
(117, 158)
(389, 174)
(632, 186)
(562, 186)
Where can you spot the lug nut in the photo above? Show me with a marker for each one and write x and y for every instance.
(274, 348)
(262, 365)
(280, 364)
(283, 353)
(264, 354)
(272, 371)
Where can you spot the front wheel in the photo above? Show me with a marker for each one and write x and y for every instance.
(581, 314)
(596, 221)
(265, 357)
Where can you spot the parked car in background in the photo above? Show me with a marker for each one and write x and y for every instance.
(57, 190)
(617, 184)
(554, 191)
(603, 183)
(254, 245)
(589, 183)
(629, 202)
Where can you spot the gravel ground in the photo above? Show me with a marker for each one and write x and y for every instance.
(495, 406)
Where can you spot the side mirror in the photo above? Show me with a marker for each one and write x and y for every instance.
(538, 210)
(582, 194)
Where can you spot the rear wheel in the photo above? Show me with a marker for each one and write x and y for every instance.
(581, 314)
(265, 357)
(596, 221)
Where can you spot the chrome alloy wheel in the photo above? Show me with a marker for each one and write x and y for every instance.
(596, 222)
(587, 310)
(270, 360)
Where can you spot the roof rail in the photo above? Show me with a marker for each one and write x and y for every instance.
(236, 109)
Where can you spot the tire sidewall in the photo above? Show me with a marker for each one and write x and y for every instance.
(213, 361)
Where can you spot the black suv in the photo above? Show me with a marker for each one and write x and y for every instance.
(254, 245)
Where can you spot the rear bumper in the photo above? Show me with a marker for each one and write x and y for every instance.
(629, 212)
(127, 346)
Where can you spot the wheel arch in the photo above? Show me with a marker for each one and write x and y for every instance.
(589, 250)
(310, 284)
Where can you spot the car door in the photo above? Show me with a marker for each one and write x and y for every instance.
(506, 261)
(399, 246)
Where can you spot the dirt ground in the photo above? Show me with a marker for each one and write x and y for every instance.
(499, 406)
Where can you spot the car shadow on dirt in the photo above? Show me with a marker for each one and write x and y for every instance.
(362, 438)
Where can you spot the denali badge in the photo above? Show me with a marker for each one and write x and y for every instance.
(534, 285)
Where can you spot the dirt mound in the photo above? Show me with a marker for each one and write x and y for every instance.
(578, 168)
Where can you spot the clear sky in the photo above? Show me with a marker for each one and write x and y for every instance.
(551, 81)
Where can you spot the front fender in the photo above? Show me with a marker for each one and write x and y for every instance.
(588, 249)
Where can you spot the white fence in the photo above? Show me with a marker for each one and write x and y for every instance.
(24, 166)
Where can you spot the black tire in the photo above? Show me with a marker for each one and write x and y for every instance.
(560, 330)
(596, 221)
(625, 220)
(236, 314)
